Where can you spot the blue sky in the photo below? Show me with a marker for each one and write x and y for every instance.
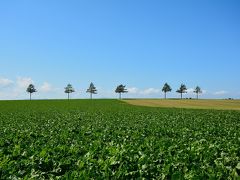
(139, 43)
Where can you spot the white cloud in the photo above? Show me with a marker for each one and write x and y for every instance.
(220, 92)
(23, 82)
(46, 87)
(5, 82)
(150, 91)
(133, 90)
(204, 91)
(190, 90)
(17, 90)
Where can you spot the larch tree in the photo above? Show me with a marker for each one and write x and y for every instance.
(166, 88)
(69, 89)
(182, 89)
(31, 89)
(92, 90)
(121, 89)
(197, 91)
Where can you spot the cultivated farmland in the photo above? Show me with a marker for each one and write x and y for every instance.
(188, 103)
(105, 139)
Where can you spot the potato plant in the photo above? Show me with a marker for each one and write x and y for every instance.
(109, 139)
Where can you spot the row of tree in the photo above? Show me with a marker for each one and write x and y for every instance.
(183, 89)
(120, 89)
(69, 89)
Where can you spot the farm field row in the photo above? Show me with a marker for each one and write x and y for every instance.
(189, 104)
(110, 139)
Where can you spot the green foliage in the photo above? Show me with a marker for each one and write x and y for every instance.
(182, 89)
(92, 90)
(121, 89)
(31, 89)
(108, 139)
(166, 88)
(69, 89)
(197, 91)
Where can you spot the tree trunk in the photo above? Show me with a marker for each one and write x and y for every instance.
(120, 96)
(165, 95)
(197, 95)
(68, 96)
(90, 95)
(181, 95)
(30, 96)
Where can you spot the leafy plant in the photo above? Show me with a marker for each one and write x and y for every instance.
(108, 139)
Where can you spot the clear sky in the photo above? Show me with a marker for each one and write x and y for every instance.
(139, 43)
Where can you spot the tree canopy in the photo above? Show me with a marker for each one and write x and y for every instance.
(92, 90)
(197, 91)
(31, 89)
(182, 89)
(121, 89)
(69, 89)
(166, 88)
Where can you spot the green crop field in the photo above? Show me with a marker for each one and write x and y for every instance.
(110, 139)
